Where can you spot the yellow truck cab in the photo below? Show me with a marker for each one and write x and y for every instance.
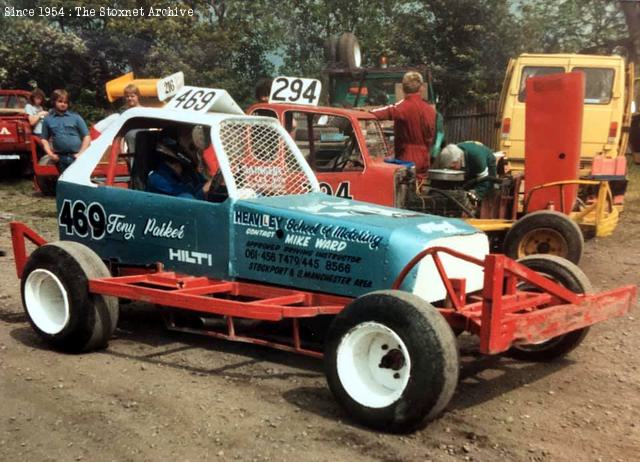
(606, 116)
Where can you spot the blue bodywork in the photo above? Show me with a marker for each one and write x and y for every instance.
(313, 241)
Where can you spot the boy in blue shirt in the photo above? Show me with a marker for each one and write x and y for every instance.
(64, 133)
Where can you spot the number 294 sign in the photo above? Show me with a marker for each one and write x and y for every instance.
(295, 90)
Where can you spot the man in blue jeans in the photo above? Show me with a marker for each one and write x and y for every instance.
(64, 133)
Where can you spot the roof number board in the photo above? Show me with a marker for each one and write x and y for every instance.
(193, 99)
(295, 90)
(170, 85)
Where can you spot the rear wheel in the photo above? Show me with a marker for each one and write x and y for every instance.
(57, 301)
(46, 184)
(331, 50)
(391, 361)
(545, 232)
(349, 51)
(570, 276)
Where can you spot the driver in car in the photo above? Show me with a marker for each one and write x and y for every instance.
(176, 174)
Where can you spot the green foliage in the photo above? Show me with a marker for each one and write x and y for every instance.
(466, 43)
(220, 47)
(570, 26)
(40, 52)
(232, 43)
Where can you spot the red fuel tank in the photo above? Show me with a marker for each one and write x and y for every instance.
(553, 132)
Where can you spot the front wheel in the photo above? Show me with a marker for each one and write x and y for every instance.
(570, 276)
(57, 301)
(391, 361)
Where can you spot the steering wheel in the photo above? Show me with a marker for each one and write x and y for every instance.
(357, 163)
(343, 159)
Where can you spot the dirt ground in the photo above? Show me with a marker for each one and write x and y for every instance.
(155, 395)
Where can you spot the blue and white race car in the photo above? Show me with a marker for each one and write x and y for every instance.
(264, 243)
(272, 223)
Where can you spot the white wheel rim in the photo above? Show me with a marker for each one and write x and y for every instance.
(373, 365)
(357, 56)
(46, 301)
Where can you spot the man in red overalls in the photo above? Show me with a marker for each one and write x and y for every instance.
(414, 123)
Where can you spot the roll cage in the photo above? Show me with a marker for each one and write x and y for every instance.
(254, 155)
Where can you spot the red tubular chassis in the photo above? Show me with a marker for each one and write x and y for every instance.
(502, 315)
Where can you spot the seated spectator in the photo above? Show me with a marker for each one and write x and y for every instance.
(35, 111)
(176, 173)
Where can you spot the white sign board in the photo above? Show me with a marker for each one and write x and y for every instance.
(199, 99)
(170, 85)
(295, 90)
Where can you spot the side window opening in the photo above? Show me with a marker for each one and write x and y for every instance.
(328, 142)
(136, 154)
(177, 159)
(338, 148)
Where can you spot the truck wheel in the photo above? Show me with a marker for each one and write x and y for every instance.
(391, 361)
(349, 51)
(56, 298)
(545, 232)
(331, 50)
(46, 184)
(570, 276)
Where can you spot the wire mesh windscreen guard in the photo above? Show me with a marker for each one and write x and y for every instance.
(260, 159)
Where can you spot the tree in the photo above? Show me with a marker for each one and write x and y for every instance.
(232, 43)
(224, 45)
(467, 44)
(570, 26)
(631, 11)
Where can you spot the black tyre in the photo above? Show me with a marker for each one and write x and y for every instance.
(391, 361)
(56, 298)
(545, 232)
(331, 50)
(349, 51)
(46, 184)
(570, 276)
